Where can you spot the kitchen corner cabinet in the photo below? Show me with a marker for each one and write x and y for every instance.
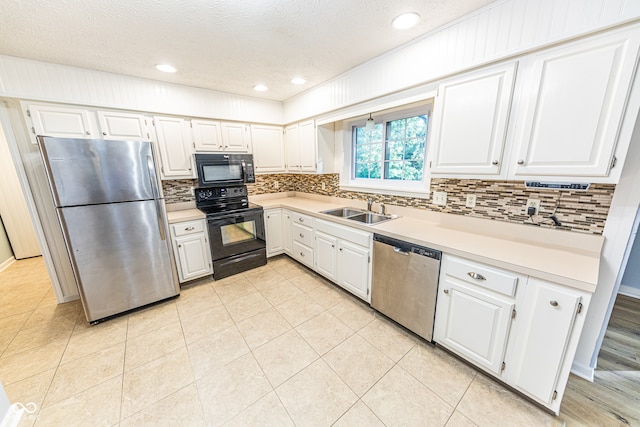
(545, 340)
(573, 106)
(60, 121)
(474, 310)
(274, 226)
(268, 148)
(176, 150)
(191, 249)
(470, 123)
(343, 255)
(301, 147)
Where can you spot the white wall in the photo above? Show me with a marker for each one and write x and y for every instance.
(631, 280)
(5, 248)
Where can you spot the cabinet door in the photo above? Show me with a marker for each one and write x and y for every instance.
(307, 144)
(470, 122)
(127, 126)
(268, 148)
(578, 94)
(63, 122)
(292, 138)
(273, 220)
(235, 137)
(287, 236)
(326, 251)
(193, 256)
(472, 323)
(207, 135)
(545, 324)
(175, 147)
(353, 269)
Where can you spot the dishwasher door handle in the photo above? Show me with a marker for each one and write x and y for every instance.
(400, 251)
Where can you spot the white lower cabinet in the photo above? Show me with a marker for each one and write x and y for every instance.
(545, 339)
(274, 229)
(342, 254)
(191, 249)
(287, 237)
(521, 329)
(302, 238)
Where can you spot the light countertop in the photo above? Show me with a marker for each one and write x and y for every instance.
(567, 258)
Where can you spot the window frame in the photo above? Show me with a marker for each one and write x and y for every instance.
(348, 182)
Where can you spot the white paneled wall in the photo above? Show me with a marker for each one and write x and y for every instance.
(500, 30)
(34, 80)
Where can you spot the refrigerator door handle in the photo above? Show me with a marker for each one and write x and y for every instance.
(156, 195)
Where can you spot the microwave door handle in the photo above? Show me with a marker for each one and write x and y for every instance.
(244, 170)
(156, 195)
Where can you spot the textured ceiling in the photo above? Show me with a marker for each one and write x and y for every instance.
(225, 45)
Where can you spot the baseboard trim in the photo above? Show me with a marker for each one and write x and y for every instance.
(7, 263)
(586, 372)
(629, 291)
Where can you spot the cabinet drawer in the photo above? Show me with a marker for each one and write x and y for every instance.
(492, 278)
(188, 227)
(302, 234)
(352, 235)
(303, 254)
(299, 218)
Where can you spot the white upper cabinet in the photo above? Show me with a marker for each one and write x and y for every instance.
(207, 135)
(292, 138)
(301, 147)
(470, 123)
(573, 105)
(268, 148)
(63, 122)
(236, 137)
(176, 151)
(119, 125)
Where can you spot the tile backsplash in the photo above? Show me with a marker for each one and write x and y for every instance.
(578, 211)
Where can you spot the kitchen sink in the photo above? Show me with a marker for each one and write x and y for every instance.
(359, 215)
(343, 212)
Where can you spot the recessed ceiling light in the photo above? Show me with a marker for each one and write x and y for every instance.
(166, 68)
(260, 87)
(406, 20)
(298, 81)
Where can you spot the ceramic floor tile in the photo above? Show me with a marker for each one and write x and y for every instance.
(154, 381)
(196, 300)
(306, 281)
(277, 293)
(324, 332)
(210, 353)
(32, 389)
(388, 338)
(445, 375)
(97, 406)
(23, 365)
(353, 313)
(487, 403)
(39, 336)
(86, 372)
(300, 309)
(95, 338)
(232, 389)
(248, 306)
(399, 399)
(316, 396)
(180, 409)
(327, 295)
(459, 420)
(152, 318)
(205, 324)
(291, 270)
(263, 327)
(54, 313)
(284, 356)
(234, 290)
(13, 324)
(267, 411)
(264, 277)
(153, 345)
(359, 415)
(358, 363)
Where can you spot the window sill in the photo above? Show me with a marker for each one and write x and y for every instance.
(413, 192)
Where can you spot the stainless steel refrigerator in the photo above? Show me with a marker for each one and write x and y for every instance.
(109, 202)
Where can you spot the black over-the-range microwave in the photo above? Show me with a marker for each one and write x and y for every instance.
(224, 169)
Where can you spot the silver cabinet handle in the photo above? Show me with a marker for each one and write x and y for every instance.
(301, 219)
(302, 235)
(340, 249)
(400, 251)
(553, 303)
(333, 246)
(495, 163)
(104, 133)
(476, 276)
(189, 228)
(88, 133)
(446, 291)
(521, 162)
(301, 254)
(179, 246)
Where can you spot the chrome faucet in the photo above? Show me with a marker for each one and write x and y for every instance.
(382, 209)
(369, 203)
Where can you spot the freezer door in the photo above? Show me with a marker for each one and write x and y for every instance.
(120, 255)
(93, 171)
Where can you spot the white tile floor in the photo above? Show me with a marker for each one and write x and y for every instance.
(275, 346)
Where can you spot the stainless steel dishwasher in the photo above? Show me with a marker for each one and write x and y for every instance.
(405, 283)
